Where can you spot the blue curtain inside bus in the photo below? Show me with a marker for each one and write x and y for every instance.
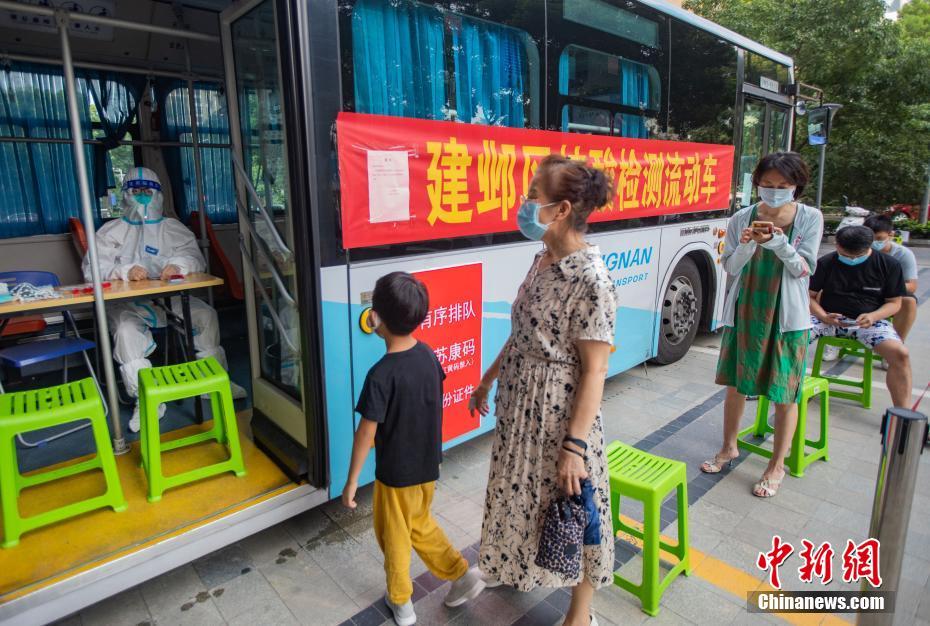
(37, 180)
(490, 69)
(397, 51)
(216, 165)
(634, 78)
(116, 103)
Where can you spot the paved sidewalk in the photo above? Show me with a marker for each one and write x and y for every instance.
(324, 567)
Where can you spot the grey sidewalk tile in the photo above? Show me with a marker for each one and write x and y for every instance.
(739, 554)
(771, 513)
(166, 594)
(369, 617)
(431, 610)
(223, 565)
(715, 516)
(795, 500)
(363, 532)
(916, 568)
(704, 537)
(543, 614)
(127, 608)
(269, 545)
(619, 606)
(70, 620)
(278, 615)
(245, 594)
(310, 526)
(308, 591)
(561, 599)
(700, 602)
(356, 575)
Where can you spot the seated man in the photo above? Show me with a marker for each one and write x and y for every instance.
(853, 292)
(145, 245)
(883, 229)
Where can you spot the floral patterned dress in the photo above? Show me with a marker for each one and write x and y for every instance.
(571, 300)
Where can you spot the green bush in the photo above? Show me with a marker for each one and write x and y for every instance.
(917, 230)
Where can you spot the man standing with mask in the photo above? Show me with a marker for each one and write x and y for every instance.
(853, 293)
(145, 245)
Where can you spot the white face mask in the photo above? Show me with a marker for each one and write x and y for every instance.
(776, 197)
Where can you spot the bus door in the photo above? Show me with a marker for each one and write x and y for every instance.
(273, 260)
(766, 128)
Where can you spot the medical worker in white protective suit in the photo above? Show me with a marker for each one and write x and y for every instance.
(146, 245)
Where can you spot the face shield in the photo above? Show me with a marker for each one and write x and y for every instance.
(142, 197)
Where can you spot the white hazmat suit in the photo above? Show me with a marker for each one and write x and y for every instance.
(144, 238)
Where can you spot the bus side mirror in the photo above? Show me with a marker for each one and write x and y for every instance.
(819, 121)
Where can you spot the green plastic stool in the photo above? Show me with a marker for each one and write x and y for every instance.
(26, 411)
(848, 347)
(158, 385)
(798, 458)
(649, 479)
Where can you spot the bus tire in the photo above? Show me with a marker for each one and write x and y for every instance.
(680, 312)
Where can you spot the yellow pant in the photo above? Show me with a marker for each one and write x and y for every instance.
(403, 520)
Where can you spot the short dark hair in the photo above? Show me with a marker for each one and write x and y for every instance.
(401, 301)
(879, 224)
(855, 239)
(791, 165)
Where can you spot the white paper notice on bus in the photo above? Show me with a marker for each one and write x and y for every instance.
(388, 186)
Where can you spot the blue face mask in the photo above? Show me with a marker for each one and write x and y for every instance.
(528, 220)
(144, 199)
(879, 245)
(859, 260)
(776, 197)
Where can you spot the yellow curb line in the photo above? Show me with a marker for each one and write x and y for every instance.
(731, 579)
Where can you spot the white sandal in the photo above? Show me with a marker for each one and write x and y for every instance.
(716, 465)
(766, 488)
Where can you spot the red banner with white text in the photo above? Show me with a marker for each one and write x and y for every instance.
(404, 180)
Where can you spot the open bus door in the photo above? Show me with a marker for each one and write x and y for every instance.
(275, 241)
(766, 127)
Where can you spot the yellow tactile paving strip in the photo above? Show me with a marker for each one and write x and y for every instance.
(733, 580)
(49, 554)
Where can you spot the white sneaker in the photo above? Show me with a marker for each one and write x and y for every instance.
(489, 581)
(831, 353)
(238, 391)
(593, 620)
(403, 614)
(465, 588)
(135, 423)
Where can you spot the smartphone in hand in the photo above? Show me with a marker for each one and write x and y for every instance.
(763, 228)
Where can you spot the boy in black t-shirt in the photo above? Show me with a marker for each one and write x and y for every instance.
(401, 409)
(853, 293)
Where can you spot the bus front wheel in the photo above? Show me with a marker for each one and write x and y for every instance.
(680, 312)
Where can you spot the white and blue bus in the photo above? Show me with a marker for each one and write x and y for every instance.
(235, 105)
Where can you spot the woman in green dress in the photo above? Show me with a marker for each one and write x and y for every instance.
(770, 251)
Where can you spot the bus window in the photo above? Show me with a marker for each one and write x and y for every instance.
(778, 129)
(606, 78)
(414, 60)
(702, 97)
(765, 73)
(614, 20)
(582, 119)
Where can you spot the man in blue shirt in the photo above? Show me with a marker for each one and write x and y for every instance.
(884, 232)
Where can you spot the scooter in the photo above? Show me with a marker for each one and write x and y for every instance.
(855, 215)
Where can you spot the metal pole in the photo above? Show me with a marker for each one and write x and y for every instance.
(903, 435)
(926, 201)
(119, 443)
(198, 176)
(134, 142)
(106, 21)
(823, 158)
(111, 68)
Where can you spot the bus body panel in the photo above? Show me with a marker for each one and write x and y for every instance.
(640, 261)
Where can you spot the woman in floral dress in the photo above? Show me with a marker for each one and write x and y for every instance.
(550, 376)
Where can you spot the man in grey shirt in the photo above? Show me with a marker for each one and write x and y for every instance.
(884, 231)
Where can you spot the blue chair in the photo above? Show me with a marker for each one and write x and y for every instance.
(25, 354)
